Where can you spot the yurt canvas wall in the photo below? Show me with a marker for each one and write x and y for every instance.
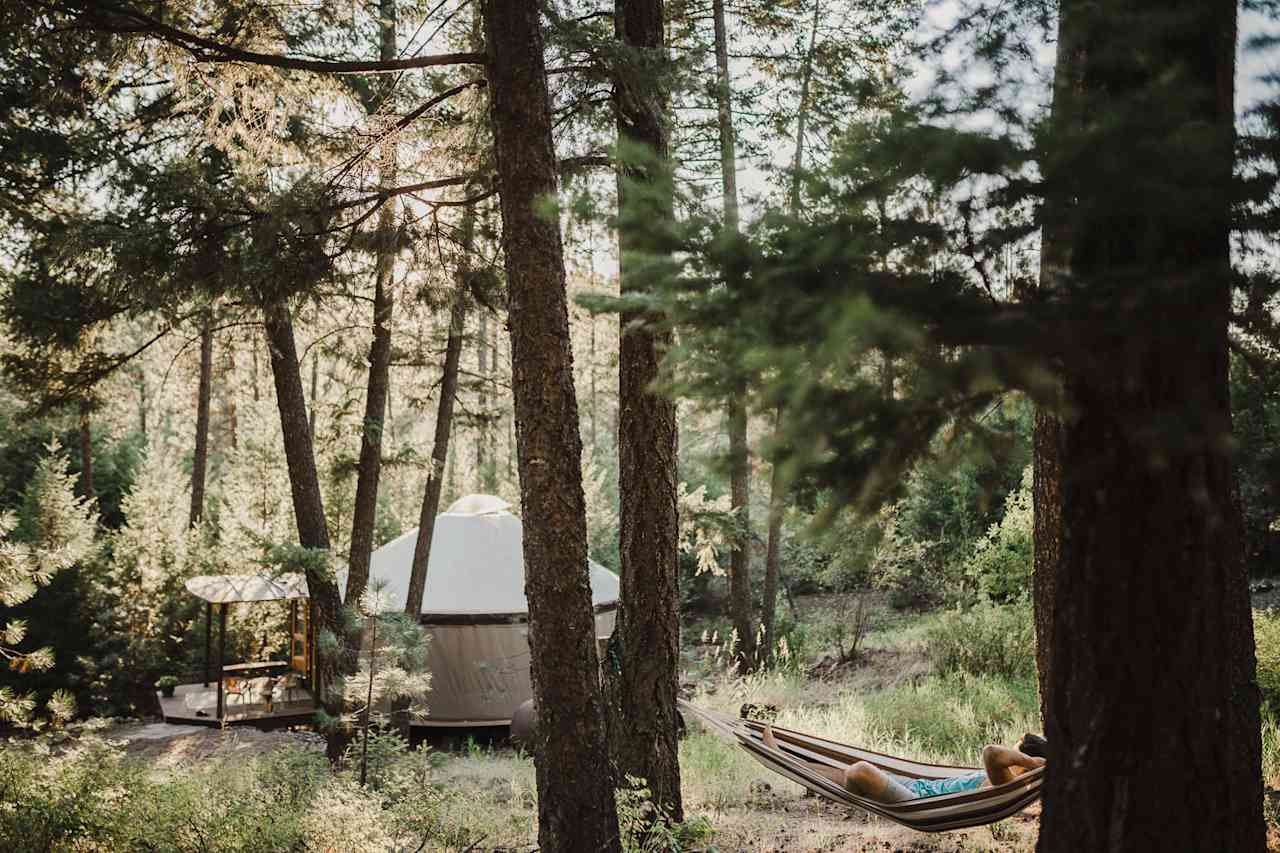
(474, 610)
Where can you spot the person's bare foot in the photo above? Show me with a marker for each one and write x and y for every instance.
(769, 740)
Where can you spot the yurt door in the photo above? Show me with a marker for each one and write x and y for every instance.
(300, 638)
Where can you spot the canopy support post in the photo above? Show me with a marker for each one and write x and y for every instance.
(222, 651)
(208, 639)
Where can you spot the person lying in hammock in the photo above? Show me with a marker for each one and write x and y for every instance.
(1001, 765)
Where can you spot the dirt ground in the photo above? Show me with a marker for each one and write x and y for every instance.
(170, 746)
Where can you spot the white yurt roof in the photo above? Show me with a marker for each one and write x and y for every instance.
(476, 565)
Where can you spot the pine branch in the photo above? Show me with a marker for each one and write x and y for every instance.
(112, 18)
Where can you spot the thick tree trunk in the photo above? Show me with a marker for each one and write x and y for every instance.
(1055, 270)
(576, 809)
(646, 639)
(1152, 715)
(86, 450)
(200, 458)
(308, 506)
(444, 423)
(369, 468)
(739, 452)
(1046, 497)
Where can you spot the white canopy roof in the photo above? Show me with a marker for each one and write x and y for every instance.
(476, 566)
(231, 589)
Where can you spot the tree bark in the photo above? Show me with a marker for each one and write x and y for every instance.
(772, 556)
(444, 423)
(1046, 429)
(1153, 721)
(484, 461)
(777, 487)
(200, 457)
(315, 394)
(308, 506)
(86, 450)
(739, 452)
(1046, 499)
(369, 468)
(142, 401)
(576, 809)
(227, 381)
(646, 639)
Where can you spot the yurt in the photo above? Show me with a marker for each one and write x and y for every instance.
(475, 611)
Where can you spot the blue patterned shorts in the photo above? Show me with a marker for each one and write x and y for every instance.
(937, 787)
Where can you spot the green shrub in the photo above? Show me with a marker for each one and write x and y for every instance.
(386, 747)
(1266, 637)
(89, 795)
(985, 639)
(1001, 562)
(907, 568)
(647, 828)
(955, 715)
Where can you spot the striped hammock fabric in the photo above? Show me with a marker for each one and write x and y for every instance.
(926, 814)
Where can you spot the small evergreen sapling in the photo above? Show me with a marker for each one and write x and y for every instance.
(59, 536)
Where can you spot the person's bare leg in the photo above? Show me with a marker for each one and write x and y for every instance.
(1003, 764)
(861, 778)
(872, 782)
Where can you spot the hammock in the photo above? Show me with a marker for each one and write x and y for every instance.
(926, 814)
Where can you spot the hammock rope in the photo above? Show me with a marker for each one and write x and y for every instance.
(925, 814)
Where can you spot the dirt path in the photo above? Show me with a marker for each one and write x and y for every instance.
(168, 745)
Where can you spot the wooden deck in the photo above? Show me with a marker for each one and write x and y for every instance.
(196, 704)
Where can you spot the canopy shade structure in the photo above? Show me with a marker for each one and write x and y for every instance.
(194, 702)
(475, 610)
(234, 589)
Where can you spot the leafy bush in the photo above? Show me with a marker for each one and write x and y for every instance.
(1001, 562)
(90, 795)
(908, 569)
(647, 828)
(985, 639)
(1266, 637)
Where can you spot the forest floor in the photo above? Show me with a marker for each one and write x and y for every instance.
(748, 808)
(885, 696)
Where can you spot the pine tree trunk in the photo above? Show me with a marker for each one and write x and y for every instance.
(772, 556)
(200, 459)
(142, 401)
(308, 506)
(777, 487)
(483, 430)
(444, 422)
(1152, 714)
(576, 809)
(369, 468)
(228, 383)
(86, 450)
(1046, 497)
(253, 365)
(739, 452)
(315, 393)
(642, 690)
(1046, 488)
